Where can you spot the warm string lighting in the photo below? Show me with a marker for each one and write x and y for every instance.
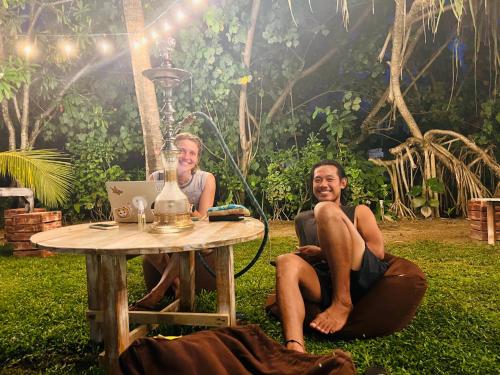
(161, 26)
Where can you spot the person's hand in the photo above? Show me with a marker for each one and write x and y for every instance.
(310, 253)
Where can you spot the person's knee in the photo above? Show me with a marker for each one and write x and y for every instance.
(328, 212)
(287, 265)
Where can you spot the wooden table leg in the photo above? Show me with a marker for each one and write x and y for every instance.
(94, 291)
(490, 212)
(115, 309)
(224, 275)
(187, 280)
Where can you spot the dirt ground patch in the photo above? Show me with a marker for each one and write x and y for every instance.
(444, 230)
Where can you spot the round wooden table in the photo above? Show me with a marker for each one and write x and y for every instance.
(106, 259)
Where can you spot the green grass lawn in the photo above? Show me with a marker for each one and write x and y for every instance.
(456, 330)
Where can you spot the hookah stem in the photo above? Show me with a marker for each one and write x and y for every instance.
(249, 193)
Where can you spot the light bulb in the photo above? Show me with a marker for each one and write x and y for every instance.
(180, 15)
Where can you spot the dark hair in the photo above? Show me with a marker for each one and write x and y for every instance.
(340, 172)
(340, 168)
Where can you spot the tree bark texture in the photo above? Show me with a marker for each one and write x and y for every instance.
(396, 63)
(245, 132)
(144, 89)
(5, 106)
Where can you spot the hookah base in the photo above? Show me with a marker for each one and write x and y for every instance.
(172, 223)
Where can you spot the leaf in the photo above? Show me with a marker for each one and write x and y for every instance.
(434, 202)
(245, 79)
(426, 211)
(418, 202)
(416, 191)
(39, 170)
(435, 185)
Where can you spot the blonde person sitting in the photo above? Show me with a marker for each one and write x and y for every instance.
(161, 271)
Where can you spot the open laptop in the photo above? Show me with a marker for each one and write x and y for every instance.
(126, 197)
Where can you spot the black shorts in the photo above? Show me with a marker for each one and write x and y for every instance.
(372, 269)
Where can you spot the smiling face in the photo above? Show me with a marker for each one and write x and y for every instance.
(327, 185)
(188, 156)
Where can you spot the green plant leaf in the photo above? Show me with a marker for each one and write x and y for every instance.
(435, 185)
(418, 202)
(43, 171)
(434, 202)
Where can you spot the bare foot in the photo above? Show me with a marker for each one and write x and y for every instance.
(295, 345)
(332, 319)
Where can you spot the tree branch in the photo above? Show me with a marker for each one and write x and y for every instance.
(16, 108)
(488, 160)
(47, 114)
(288, 88)
(367, 124)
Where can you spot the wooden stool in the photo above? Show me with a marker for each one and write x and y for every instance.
(484, 214)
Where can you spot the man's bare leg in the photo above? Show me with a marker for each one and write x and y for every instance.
(296, 280)
(343, 247)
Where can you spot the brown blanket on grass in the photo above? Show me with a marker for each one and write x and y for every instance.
(238, 350)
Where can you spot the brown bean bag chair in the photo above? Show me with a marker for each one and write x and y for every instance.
(232, 350)
(388, 307)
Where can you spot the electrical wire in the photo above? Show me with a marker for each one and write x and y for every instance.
(253, 200)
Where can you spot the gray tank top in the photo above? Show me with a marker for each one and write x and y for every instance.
(193, 188)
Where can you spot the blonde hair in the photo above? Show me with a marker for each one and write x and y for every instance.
(193, 138)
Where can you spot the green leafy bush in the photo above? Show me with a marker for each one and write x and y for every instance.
(366, 182)
(94, 153)
(286, 185)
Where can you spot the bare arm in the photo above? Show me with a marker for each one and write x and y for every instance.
(207, 196)
(366, 224)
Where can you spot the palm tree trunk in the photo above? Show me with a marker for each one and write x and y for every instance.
(144, 89)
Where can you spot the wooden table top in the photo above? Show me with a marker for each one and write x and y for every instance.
(126, 239)
(486, 199)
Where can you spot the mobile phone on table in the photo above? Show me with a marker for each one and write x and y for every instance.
(103, 226)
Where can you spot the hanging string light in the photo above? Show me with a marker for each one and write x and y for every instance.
(67, 48)
(152, 32)
(105, 47)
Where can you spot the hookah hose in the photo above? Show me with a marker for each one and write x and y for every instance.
(254, 202)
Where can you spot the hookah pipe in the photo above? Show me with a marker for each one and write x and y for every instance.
(188, 120)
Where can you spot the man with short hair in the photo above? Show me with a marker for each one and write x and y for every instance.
(339, 259)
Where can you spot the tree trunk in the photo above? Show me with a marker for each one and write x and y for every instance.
(396, 61)
(5, 107)
(144, 89)
(245, 133)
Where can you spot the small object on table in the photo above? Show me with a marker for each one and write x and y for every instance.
(104, 226)
(228, 212)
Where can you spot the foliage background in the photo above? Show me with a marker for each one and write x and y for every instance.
(96, 120)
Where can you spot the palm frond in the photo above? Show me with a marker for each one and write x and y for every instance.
(43, 171)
